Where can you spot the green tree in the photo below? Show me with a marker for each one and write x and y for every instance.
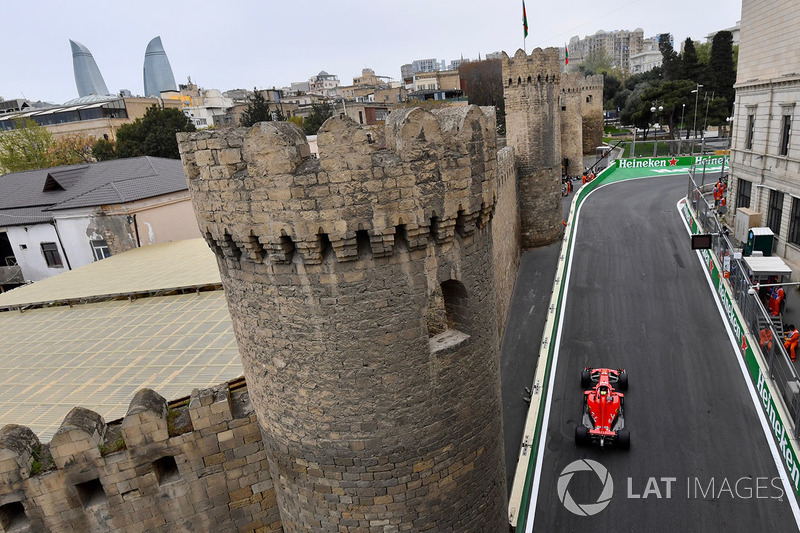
(72, 149)
(596, 62)
(611, 86)
(650, 77)
(258, 110)
(153, 134)
(722, 69)
(635, 112)
(703, 51)
(671, 62)
(104, 150)
(26, 147)
(483, 82)
(692, 70)
(319, 114)
(670, 95)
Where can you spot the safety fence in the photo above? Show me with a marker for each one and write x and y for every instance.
(767, 329)
(660, 147)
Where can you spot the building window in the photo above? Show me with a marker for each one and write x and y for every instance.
(751, 124)
(100, 249)
(775, 211)
(786, 128)
(51, 255)
(743, 193)
(794, 222)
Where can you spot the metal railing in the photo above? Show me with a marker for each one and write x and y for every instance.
(661, 146)
(756, 317)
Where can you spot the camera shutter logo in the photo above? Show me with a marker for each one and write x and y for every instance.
(585, 509)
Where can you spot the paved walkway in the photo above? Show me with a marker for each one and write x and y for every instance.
(526, 319)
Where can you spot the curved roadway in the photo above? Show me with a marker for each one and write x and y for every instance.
(638, 299)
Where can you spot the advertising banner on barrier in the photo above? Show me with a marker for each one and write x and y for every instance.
(759, 375)
(666, 162)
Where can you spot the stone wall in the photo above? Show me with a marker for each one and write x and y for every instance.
(570, 102)
(199, 466)
(330, 266)
(116, 230)
(592, 112)
(531, 85)
(505, 235)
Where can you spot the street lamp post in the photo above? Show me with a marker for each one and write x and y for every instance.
(705, 121)
(680, 137)
(694, 127)
(653, 109)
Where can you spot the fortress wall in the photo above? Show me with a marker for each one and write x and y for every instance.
(505, 235)
(361, 287)
(200, 467)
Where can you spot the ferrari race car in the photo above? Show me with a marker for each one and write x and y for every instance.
(603, 418)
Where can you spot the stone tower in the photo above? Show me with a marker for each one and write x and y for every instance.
(533, 127)
(581, 101)
(571, 123)
(592, 112)
(361, 290)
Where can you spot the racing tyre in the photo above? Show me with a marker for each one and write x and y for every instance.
(623, 381)
(586, 379)
(581, 436)
(624, 439)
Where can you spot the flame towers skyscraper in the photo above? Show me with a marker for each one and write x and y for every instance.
(87, 75)
(158, 75)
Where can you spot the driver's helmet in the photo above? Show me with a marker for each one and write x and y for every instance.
(604, 391)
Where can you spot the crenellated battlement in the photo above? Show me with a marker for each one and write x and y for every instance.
(593, 82)
(577, 82)
(260, 197)
(188, 462)
(542, 66)
(82, 437)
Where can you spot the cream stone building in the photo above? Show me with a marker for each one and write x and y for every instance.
(765, 152)
(438, 80)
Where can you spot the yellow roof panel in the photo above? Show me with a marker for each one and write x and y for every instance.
(151, 268)
(98, 355)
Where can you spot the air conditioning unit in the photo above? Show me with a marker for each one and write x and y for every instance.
(746, 218)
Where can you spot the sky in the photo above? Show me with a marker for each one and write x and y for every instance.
(250, 43)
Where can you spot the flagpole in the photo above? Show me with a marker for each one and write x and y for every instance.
(524, 28)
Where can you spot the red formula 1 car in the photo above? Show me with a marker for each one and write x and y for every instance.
(603, 419)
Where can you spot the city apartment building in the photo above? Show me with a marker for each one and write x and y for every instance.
(323, 84)
(618, 45)
(649, 58)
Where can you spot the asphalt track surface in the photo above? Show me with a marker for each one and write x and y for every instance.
(638, 299)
